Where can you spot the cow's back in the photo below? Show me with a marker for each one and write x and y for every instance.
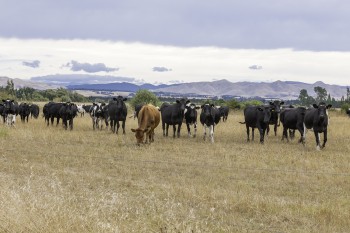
(149, 116)
(250, 116)
(310, 115)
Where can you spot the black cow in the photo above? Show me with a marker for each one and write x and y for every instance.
(87, 108)
(316, 118)
(34, 110)
(173, 114)
(257, 117)
(117, 111)
(209, 117)
(224, 110)
(275, 111)
(67, 112)
(24, 111)
(9, 111)
(292, 119)
(191, 118)
(2, 111)
(348, 112)
(137, 110)
(51, 111)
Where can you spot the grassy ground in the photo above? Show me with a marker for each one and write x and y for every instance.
(52, 180)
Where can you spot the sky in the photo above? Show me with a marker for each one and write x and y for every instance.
(160, 41)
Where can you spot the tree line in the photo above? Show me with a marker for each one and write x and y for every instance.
(31, 94)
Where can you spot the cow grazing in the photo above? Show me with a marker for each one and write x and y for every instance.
(173, 114)
(34, 111)
(24, 111)
(275, 111)
(117, 111)
(316, 118)
(191, 118)
(209, 117)
(67, 112)
(224, 110)
(292, 119)
(148, 120)
(257, 117)
(9, 111)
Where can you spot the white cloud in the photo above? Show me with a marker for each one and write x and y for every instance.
(136, 60)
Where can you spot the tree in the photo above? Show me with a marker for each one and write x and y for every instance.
(321, 94)
(348, 95)
(144, 97)
(304, 97)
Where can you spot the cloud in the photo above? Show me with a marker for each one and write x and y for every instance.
(33, 64)
(89, 68)
(255, 67)
(161, 69)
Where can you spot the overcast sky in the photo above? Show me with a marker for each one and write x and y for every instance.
(168, 41)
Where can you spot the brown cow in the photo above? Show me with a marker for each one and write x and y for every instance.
(148, 120)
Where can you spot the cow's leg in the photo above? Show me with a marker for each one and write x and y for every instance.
(71, 124)
(163, 128)
(267, 130)
(118, 125)
(205, 132)
(285, 134)
(262, 133)
(275, 129)
(211, 133)
(167, 130)
(123, 125)
(247, 127)
(253, 134)
(195, 129)
(317, 137)
(58, 121)
(178, 130)
(93, 123)
(324, 138)
(174, 130)
(188, 129)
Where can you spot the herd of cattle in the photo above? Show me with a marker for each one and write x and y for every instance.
(149, 116)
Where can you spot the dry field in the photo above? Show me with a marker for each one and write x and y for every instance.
(52, 180)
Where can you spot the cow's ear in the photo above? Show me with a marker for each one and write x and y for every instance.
(188, 101)
(178, 101)
(315, 105)
(260, 109)
(212, 105)
(133, 130)
(271, 103)
(282, 102)
(202, 105)
(125, 99)
(329, 106)
(12, 101)
(197, 107)
(3, 100)
(64, 104)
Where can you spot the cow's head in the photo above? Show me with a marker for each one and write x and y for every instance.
(69, 109)
(182, 103)
(266, 111)
(191, 110)
(139, 134)
(9, 106)
(276, 106)
(119, 100)
(207, 110)
(322, 110)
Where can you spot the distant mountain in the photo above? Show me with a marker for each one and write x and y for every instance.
(20, 83)
(278, 89)
(123, 86)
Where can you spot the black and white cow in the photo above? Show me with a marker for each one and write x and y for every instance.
(95, 114)
(24, 111)
(173, 114)
(224, 110)
(67, 112)
(275, 111)
(209, 117)
(257, 117)
(9, 112)
(293, 119)
(191, 118)
(316, 118)
(34, 111)
(117, 111)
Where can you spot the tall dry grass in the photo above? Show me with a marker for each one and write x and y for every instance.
(53, 180)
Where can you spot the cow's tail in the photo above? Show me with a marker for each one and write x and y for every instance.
(241, 122)
(304, 131)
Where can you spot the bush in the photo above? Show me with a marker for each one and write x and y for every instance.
(144, 97)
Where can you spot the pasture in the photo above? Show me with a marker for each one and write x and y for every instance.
(53, 180)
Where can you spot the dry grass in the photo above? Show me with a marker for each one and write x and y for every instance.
(54, 180)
